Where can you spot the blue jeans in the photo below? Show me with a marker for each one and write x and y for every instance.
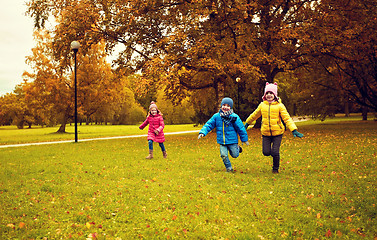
(233, 150)
(150, 145)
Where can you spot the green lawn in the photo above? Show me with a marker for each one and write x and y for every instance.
(12, 135)
(108, 190)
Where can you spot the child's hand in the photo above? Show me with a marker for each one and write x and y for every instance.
(297, 134)
(156, 132)
(247, 143)
(246, 125)
(200, 135)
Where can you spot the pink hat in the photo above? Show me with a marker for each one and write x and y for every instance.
(153, 105)
(271, 87)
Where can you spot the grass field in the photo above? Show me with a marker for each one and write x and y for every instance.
(12, 135)
(108, 190)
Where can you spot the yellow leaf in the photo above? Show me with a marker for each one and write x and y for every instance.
(11, 225)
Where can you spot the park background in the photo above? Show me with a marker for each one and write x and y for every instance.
(186, 56)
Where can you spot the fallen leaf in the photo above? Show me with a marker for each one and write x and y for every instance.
(88, 225)
(11, 225)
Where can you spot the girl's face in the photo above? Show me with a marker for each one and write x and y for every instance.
(225, 107)
(270, 96)
(153, 111)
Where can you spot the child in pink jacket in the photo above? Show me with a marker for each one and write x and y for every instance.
(156, 129)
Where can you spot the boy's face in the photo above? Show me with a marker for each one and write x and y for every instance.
(153, 111)
(225, 107)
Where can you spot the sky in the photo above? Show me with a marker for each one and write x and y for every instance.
(16, 42)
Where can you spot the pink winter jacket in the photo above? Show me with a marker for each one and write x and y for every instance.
(155, 122)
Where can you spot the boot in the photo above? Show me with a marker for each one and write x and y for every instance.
(150, 156)
(164, 154)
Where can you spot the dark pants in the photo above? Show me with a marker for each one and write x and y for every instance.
(271, 147)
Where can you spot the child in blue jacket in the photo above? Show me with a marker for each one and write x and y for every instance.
(228, 126)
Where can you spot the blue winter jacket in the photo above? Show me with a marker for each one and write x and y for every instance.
(226, 134)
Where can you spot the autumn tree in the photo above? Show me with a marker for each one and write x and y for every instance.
(15, 108)
(20, 109)
(189, 45)
(5, 115)
(52, 88)
(310, 91)
(5, 118)
(128, 110)
(175, 114)
(98, 86)
(341, 75)
(143, 94)
(346, 36)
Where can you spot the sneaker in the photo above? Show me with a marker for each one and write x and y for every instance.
(240, 148)
(229, 170)
(275, 171)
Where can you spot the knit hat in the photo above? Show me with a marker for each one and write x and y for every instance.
(271, 87)
(153, 105)
(228, 101)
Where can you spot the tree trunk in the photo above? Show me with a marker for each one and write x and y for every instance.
(347, 106)
(365, 113)
(364, 109)
(262, 84)
(62, 126)
(219, 91)
(294, 112)
(20, 124)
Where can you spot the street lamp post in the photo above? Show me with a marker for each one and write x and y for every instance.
(238, 80)
(75, 47)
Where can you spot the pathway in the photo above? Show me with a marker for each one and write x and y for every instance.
(91, 139)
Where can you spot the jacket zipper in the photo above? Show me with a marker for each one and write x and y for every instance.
(269, 117)
(224, 133)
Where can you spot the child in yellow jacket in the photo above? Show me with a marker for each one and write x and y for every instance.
(272, 112)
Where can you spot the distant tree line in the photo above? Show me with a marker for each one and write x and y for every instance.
(46, 96)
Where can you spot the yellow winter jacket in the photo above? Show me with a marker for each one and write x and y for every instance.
(272, 113)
